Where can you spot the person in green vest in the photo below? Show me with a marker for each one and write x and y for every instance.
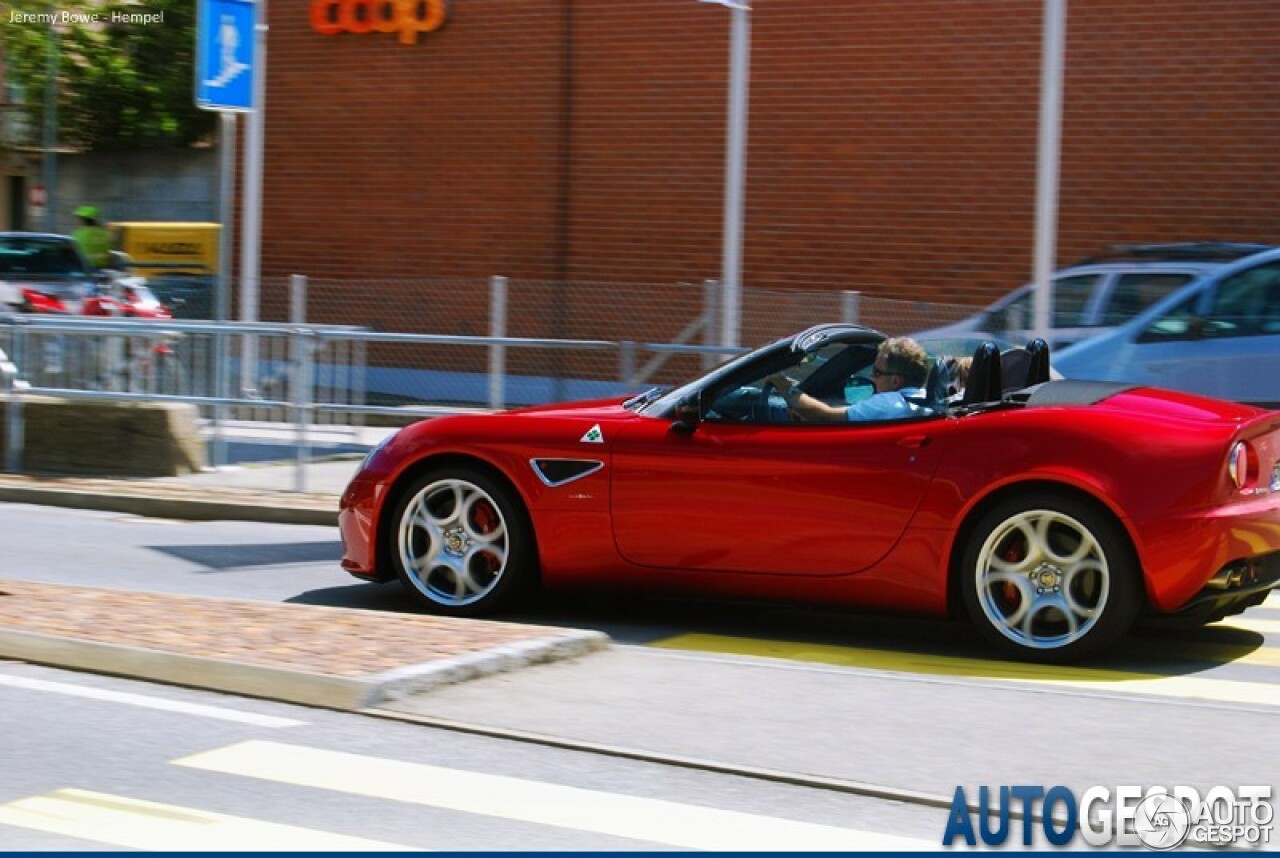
(94, 240)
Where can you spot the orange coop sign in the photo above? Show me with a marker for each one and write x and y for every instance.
(408, 18)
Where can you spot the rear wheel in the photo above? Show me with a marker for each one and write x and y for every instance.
(1050, 578)
(461, 542)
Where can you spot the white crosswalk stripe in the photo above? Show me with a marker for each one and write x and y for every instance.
(136, 824)
(642, 819)
(147, 701)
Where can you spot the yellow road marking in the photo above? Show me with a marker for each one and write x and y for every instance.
(137, 824)
(645, 819)
(1079, 678)
(1261, 626)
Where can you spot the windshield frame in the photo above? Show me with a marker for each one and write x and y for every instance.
(805, 341)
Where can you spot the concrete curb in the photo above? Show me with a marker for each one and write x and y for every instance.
(292, 686)
(168, 506)
(416, 679)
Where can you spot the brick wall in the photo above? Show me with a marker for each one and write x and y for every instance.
(892, 142)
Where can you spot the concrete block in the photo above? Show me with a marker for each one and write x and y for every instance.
(101, 438)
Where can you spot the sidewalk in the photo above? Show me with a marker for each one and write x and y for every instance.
(241, 493)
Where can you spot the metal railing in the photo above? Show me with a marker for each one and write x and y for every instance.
(293, 362)
(304, 375)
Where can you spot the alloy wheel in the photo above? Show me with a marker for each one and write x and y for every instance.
(1043, 580)
(453, 542)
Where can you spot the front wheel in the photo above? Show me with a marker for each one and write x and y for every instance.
(461, 542)
(1050, 578)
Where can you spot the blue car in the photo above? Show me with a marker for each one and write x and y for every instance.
(1093, 297)
(1218, 336)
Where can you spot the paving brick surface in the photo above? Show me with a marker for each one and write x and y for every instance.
(331, 641)
(334, 657)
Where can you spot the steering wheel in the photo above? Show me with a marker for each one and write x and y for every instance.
(762, 408)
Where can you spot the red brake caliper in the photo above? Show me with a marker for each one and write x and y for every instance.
(1012, 554)
(485, 520)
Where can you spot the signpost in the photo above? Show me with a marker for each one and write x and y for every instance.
(229, 80)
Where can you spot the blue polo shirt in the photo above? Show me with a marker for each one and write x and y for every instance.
(891, 405)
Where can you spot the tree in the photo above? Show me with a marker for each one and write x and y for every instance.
(122, 83)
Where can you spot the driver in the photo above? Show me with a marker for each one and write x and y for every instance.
(899, 374)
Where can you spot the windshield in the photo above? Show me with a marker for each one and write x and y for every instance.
(141, 296)
(662, 403)
(44, 257)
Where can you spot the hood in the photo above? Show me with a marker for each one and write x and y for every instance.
(593, 409)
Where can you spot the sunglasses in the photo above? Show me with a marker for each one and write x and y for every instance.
(877, 372)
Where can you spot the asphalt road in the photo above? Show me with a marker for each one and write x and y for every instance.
(902, 703)
(146, 766)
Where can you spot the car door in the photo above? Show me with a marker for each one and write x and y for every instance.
(1223, 341)
(808, 500)
(747, 495)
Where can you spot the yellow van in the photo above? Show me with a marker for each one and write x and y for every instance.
(192, 248)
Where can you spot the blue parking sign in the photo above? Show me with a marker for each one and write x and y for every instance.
(224, 54)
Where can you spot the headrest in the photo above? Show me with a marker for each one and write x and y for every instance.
(1038, 370)
(984, 376)
(935, 386)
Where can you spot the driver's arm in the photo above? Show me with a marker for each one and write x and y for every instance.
(803, 407)
(808, 409)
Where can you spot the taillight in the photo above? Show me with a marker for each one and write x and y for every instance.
(1242, 466)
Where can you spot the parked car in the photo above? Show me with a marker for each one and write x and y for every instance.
(1051, 514)
(1095, 296)
(41, 271)
(1218, 337)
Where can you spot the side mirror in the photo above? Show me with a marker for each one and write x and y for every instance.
(687, 414)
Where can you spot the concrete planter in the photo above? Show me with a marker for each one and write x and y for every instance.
(124, 439)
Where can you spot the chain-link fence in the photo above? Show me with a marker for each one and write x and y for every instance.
(630, 316)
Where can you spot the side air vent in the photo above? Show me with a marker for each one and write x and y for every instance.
(557, 472)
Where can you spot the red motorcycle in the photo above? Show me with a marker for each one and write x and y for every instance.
(107, 362)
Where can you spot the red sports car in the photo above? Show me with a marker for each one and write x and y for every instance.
(1051, 512)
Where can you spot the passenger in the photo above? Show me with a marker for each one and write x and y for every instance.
(959, 371)
(899, 374)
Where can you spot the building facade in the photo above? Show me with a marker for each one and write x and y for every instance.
(892, 143)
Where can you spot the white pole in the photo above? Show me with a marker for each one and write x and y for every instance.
(1052, 51)
(300, 388)
(251, 220)
(497, 351)
(735, 174)
(226, 213)
(222, 298)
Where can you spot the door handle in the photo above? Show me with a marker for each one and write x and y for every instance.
(914, 442)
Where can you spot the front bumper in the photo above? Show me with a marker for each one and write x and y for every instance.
(358, 526)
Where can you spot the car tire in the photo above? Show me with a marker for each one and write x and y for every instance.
(1050, 578)
(461, 543)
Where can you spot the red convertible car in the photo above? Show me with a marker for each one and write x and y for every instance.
(1051, 512)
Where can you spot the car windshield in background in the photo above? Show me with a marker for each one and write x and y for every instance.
(39, 258)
